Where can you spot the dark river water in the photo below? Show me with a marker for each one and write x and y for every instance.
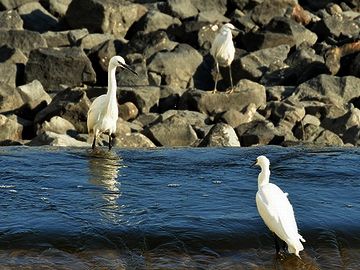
(186, 208)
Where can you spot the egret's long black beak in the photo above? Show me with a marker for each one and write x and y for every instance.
(129, 69)
(253, 164)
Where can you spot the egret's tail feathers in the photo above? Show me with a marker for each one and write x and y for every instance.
(295, 246)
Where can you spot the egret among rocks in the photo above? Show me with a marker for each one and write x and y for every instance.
(103, 113)
(276, 210)
(223, 51)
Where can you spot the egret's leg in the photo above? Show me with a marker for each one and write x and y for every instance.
(216, 76)
(110, 145)
(94, 142)
(231, 81)
(277, 246)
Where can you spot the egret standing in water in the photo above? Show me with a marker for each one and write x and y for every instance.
(103, 113)
(276, 210)
(223, 51)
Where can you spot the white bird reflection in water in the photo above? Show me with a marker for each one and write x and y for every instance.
(104, 168)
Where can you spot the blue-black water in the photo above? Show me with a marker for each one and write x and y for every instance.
(188, 208)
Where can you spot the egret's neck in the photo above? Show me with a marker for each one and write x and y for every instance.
(112, 83)
(264, 176)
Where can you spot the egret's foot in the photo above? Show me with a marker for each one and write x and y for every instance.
(228, 92)
(214, 91)
(281, 255)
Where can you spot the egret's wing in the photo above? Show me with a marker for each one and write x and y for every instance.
(94, 112)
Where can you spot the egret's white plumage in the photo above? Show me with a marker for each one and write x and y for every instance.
(276, 210)
(223, 50)
(103, 113)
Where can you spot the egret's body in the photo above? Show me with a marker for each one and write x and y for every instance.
(103, 113)
(276, 210)
(223, 51)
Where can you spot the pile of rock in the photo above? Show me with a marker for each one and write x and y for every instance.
(296, 71)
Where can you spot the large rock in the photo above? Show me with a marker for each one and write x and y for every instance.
(151, 43)
(36, 18)
(8, 74)
(177, 67)
(255, 64)
(220, 135)
(10, 129)
(336, 90)
(10, 19)
(133, 140)
(58, 8)
(278, 32)
(268, 9)
(341, 124)
(12, 4)
(318, 135)
(10, 99)
(34, 97)
(144, 97)
(337, 26)
(64, 38)
(128, 111)
(259, 132)
(55, 139)
(204, 5)
(155, 20)
(59, 66)
(105, 16)
(138, 63)
(57, 125)
(235, 118)
(23, 40)
(182, 8)
(71, 104)
(174, 131)
(212, 104)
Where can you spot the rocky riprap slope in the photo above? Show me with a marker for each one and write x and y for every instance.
(296, 71)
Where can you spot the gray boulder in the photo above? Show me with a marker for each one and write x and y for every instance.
(182, 8)
(12, 4)
(8, 73)
(177, 67)
(174, 131)
(330, 89)
(64, 38)
(278, 32)
(58, 8)
(57, 125)
(259, 132)
(235, 118)
(204, 5)
(318, 135)
(105, 16)
(10, 129)
(128, 111)
(36, 18)
(133, 140)
(211, 104)
(71, 104)
(155, 20)
(340, 124)
(10, 19)
(55, 139)
(34, 97)
(23, 40)
(220, 135)
(93, 40)
(10, 99)
(268, 9)
(12, 55)
(147, 119)
(59, 66)
(255, 64)
(144, 97)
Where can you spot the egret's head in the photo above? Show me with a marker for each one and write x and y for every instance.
(262, 161)
(227, 27)
(118, 61)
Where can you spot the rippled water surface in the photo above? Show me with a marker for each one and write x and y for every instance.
(188, 208)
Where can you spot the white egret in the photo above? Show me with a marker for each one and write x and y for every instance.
(103, 113)
(223, 51)
(276, 210)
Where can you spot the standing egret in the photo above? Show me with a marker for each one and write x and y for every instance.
(276, 210)
(223, 51)
(103, 113)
